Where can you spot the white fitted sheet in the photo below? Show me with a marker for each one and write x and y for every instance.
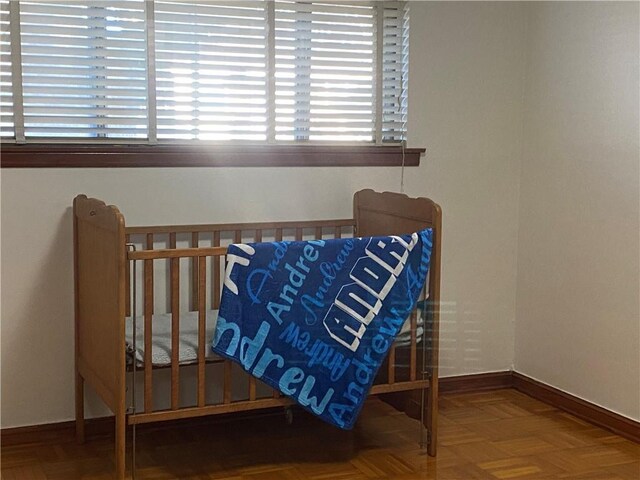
(188, 350)
(161, 330)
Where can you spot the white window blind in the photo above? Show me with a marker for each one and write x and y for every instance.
(325, 71)
(84, 69)
(394, 71)
(184, 70)
(211, 70)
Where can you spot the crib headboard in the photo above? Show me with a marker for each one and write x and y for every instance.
(391, 213)
(99, 267)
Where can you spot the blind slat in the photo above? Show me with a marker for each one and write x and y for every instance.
(169, 20)
(35, 50)
(60, 32)
(85, 90)
(68, 112)
(86, 42)
(74, 77)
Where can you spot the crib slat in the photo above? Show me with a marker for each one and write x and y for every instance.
(175, 326)
(226, 387)
(213, 273)
(298, 234)
(216, 272)
(237, 237)
(392, 364)
(338, 232)
(252, 379)
(278, 234)
(414, 357)
(202, 326)
(318, 233)
(194, 272)
(148, 345)
(127, 280)
(149, 263)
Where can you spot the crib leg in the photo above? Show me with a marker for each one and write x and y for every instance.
(121, 432)
(431, 419)
(79, 408)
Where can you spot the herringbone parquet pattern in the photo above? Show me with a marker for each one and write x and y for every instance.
(494, 435)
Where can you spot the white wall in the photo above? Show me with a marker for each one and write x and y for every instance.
(465, 108)
(466, 75)
(578, 319)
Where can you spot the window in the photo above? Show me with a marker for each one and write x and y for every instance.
(137, 71)
(84, 69)
(211, 70)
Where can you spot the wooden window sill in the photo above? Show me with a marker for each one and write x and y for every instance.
(57, 155)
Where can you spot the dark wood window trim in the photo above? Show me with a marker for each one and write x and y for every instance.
(101, 156)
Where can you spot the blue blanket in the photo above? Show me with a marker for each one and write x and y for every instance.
(315, 319)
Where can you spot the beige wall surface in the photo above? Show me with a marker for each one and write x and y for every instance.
(578, 319)
(465, 108)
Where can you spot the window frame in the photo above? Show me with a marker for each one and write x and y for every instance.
(61, 152)
(92, 155)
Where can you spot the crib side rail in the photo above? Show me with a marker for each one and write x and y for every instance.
(177, 253)
(99, 267)
(231, 227)
(255, 230)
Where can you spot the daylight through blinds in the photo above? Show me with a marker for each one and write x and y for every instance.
(160, 71)
(84, 69)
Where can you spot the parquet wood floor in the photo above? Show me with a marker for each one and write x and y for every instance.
(493, 435)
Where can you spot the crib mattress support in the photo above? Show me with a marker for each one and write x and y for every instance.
(245, 405)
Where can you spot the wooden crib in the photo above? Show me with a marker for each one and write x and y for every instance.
(104, 259)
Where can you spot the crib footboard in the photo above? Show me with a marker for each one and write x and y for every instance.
(390, 213)
(99, 267)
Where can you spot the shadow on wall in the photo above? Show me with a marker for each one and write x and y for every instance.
(38, 351)
(462, 346)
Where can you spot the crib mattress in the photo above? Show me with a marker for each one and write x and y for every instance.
(161, 339)
(188, 347)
